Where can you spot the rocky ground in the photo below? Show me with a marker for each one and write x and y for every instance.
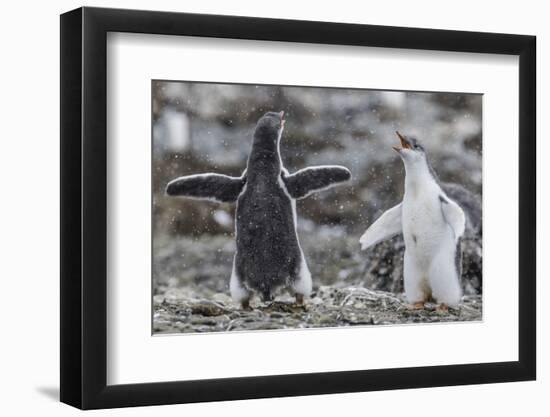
(185, 311)
(351, 287)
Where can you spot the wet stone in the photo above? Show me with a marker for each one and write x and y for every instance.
(208, 308)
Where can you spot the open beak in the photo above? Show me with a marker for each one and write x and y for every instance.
(404, 142)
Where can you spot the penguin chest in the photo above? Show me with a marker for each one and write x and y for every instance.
(423, 227)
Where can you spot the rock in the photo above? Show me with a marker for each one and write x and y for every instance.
(208, 308)
(278, 307)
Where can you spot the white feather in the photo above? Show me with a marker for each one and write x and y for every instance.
(238, 292)
(454, 215)
(387, 226)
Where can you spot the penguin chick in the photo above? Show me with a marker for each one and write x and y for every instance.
(268, 254)
(432, 225)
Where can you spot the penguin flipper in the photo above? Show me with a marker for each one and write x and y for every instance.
(308, 180)
(387, 226)
(469, 202)
(454, 216)
(218, 187)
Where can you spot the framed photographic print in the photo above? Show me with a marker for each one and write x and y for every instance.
(258, 208)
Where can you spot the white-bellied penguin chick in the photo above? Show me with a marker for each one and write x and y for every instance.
(432, 225)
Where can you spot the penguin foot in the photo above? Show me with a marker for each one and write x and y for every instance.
(442, 308)
(245, 305)
(300, 299)
(417, 306)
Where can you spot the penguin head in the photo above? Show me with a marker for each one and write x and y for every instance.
(411, 151)
(269, 129)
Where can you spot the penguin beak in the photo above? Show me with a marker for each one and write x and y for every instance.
(404, 142)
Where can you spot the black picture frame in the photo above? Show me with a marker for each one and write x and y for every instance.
(84, 207)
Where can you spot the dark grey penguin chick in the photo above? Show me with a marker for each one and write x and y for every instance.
(268, 254)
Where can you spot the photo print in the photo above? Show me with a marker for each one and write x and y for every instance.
(290, 207)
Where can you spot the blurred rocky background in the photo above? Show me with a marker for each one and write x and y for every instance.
(201, 127)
